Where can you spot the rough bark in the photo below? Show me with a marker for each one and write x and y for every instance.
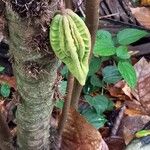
(35, 69)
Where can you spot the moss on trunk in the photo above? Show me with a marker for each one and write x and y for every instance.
(35, 69)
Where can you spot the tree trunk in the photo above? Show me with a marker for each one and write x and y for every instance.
(35, 69)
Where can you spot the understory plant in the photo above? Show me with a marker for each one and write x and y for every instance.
(111, 62)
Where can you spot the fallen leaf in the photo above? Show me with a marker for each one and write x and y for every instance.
(78, 134)
(142, 91)
(118, 92)
(130, 125)
(142, 14)
(11, 81)
(115, 143)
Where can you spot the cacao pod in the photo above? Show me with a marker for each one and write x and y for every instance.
(71, 41)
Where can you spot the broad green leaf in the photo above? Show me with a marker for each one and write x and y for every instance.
(93, 118)
(128, 73)
(100, 103)
(104, 45)
(5, 90)
(59, 104)
(111, 74)
(129, 35)
(122, 52)
(95, 64)
(1, 69)
(95, 81)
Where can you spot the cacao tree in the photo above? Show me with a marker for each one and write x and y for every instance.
(35, 66)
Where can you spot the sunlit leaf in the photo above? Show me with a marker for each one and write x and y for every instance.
(128, 73)
(130, 35)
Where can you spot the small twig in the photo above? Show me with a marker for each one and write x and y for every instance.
(118, 121)
(67, 102)
(79, 3)
(126, 24)
(107, 16)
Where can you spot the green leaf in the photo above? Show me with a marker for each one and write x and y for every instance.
(93, 118)
(104, 45)
(5, 90)
(122, 52)
(95, 64)
(95, 81)
(128, 73)
(62, 87)
(100, 103)
(59, 104)
(2, 69)
(142, 133)
(64, 72)
(111, 74)
(129, 35)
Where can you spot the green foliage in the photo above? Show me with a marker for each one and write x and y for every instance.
(59, 104)
(64, 72)
(5, 90)
(142, 133)
(122, 52)
(104, 45)
(128, 36)
(97, 120)
(128, 73)
(95, 64)
(111, 74)
(1, 69)
(95, 81)
(100, 103)
(62, 87)
(112, 50)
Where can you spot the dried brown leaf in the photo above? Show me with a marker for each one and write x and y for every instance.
(80, 135)
(131, 124)
(142, 14)
(142, 91)
(120, 91)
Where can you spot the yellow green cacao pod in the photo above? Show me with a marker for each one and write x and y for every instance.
(71, 41)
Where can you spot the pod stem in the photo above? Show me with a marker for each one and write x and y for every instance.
(67, 102)
(92, 21)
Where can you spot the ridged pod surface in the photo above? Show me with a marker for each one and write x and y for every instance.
(71, 41)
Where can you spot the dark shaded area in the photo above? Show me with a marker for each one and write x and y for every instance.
(4, 59)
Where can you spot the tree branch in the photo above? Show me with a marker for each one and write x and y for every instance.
(92, 20)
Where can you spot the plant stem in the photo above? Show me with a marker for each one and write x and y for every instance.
(66, 104)
(92, 20)
(68, 4)
(5, 135)
(77, 88)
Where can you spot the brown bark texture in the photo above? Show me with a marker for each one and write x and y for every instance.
(35, 69)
